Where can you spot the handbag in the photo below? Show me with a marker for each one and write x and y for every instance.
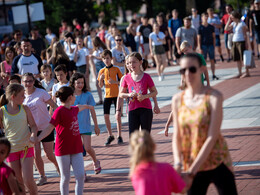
(248, 59)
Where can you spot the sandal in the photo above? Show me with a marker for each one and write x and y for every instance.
(97, 167)
(245, 75)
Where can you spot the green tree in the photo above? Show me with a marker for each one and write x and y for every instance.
(238, 4)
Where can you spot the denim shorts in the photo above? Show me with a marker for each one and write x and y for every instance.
(208, 50)
(218, 44)
(257, 37)
(226, 39)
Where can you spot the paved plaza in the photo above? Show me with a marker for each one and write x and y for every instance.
(240, 127)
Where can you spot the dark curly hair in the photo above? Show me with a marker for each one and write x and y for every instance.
(75, 77)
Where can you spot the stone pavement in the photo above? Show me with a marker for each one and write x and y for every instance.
(241, 128)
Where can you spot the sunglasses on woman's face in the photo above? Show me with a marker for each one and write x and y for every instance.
(192, 69)
(119, 40)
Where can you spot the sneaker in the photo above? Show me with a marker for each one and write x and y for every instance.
(175, 62)
(160, 78)
(97, 167)
(120, 140)
(228, 60)
(100, 102)
(215, 77)
(41, 181)
(222, 59)
(109, 140)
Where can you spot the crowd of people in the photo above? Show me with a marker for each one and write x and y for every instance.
(45, 87)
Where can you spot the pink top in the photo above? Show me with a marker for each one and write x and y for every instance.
(7, 67)
(156, 178)
(5, 171)
(68, 140)
(139, 87)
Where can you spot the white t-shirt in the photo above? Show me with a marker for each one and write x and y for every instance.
(38, 107)
(49, 37)
(120, 57)
(97, 53)
(23, 64)
(195, 22)
(66, 47)
(55, 88)
(107, 35)
(112, 41)
(238, 31)
(82, 53)
(155, 36)
(89, 42)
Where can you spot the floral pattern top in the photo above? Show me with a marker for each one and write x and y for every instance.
(193, 126)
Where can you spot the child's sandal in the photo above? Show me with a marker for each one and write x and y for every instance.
(97, 167)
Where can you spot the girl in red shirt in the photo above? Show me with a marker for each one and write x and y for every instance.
(65, 121)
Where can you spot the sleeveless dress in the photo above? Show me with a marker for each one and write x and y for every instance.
(193, 126)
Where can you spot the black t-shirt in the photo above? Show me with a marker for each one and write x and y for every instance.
(255, 16)
(38, 45)
(206, 33)
(145, 31)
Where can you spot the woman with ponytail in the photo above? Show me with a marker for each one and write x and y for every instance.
(14, 119)
(68, 144)
(147, 175)
(136, 86)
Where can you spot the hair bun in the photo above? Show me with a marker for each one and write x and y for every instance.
(57, 94)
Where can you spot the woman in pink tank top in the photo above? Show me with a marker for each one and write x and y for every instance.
(199, 148)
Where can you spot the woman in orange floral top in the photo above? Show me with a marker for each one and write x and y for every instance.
(199, 149)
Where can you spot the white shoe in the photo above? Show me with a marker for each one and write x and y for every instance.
(160, 78)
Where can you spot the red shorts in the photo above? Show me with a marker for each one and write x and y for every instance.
(20, 154)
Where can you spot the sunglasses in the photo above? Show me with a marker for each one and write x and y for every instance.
(192, 70)
(119, 40)
(28, 81)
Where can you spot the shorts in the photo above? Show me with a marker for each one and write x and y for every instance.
(218, 44)
(158, 49)
(226, 40)
(251, 38)
(81, 69)
(107, 104)
(257, 37)
(14, 156)
(208, 50)
(88, 133)
(49, 138)
(146, 49)
(99, 66)
(237, 50)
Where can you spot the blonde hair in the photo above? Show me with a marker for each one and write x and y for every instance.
(142, 148)
(184, 45)
(11, 90)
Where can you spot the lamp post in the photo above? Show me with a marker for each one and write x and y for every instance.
(27, 2)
